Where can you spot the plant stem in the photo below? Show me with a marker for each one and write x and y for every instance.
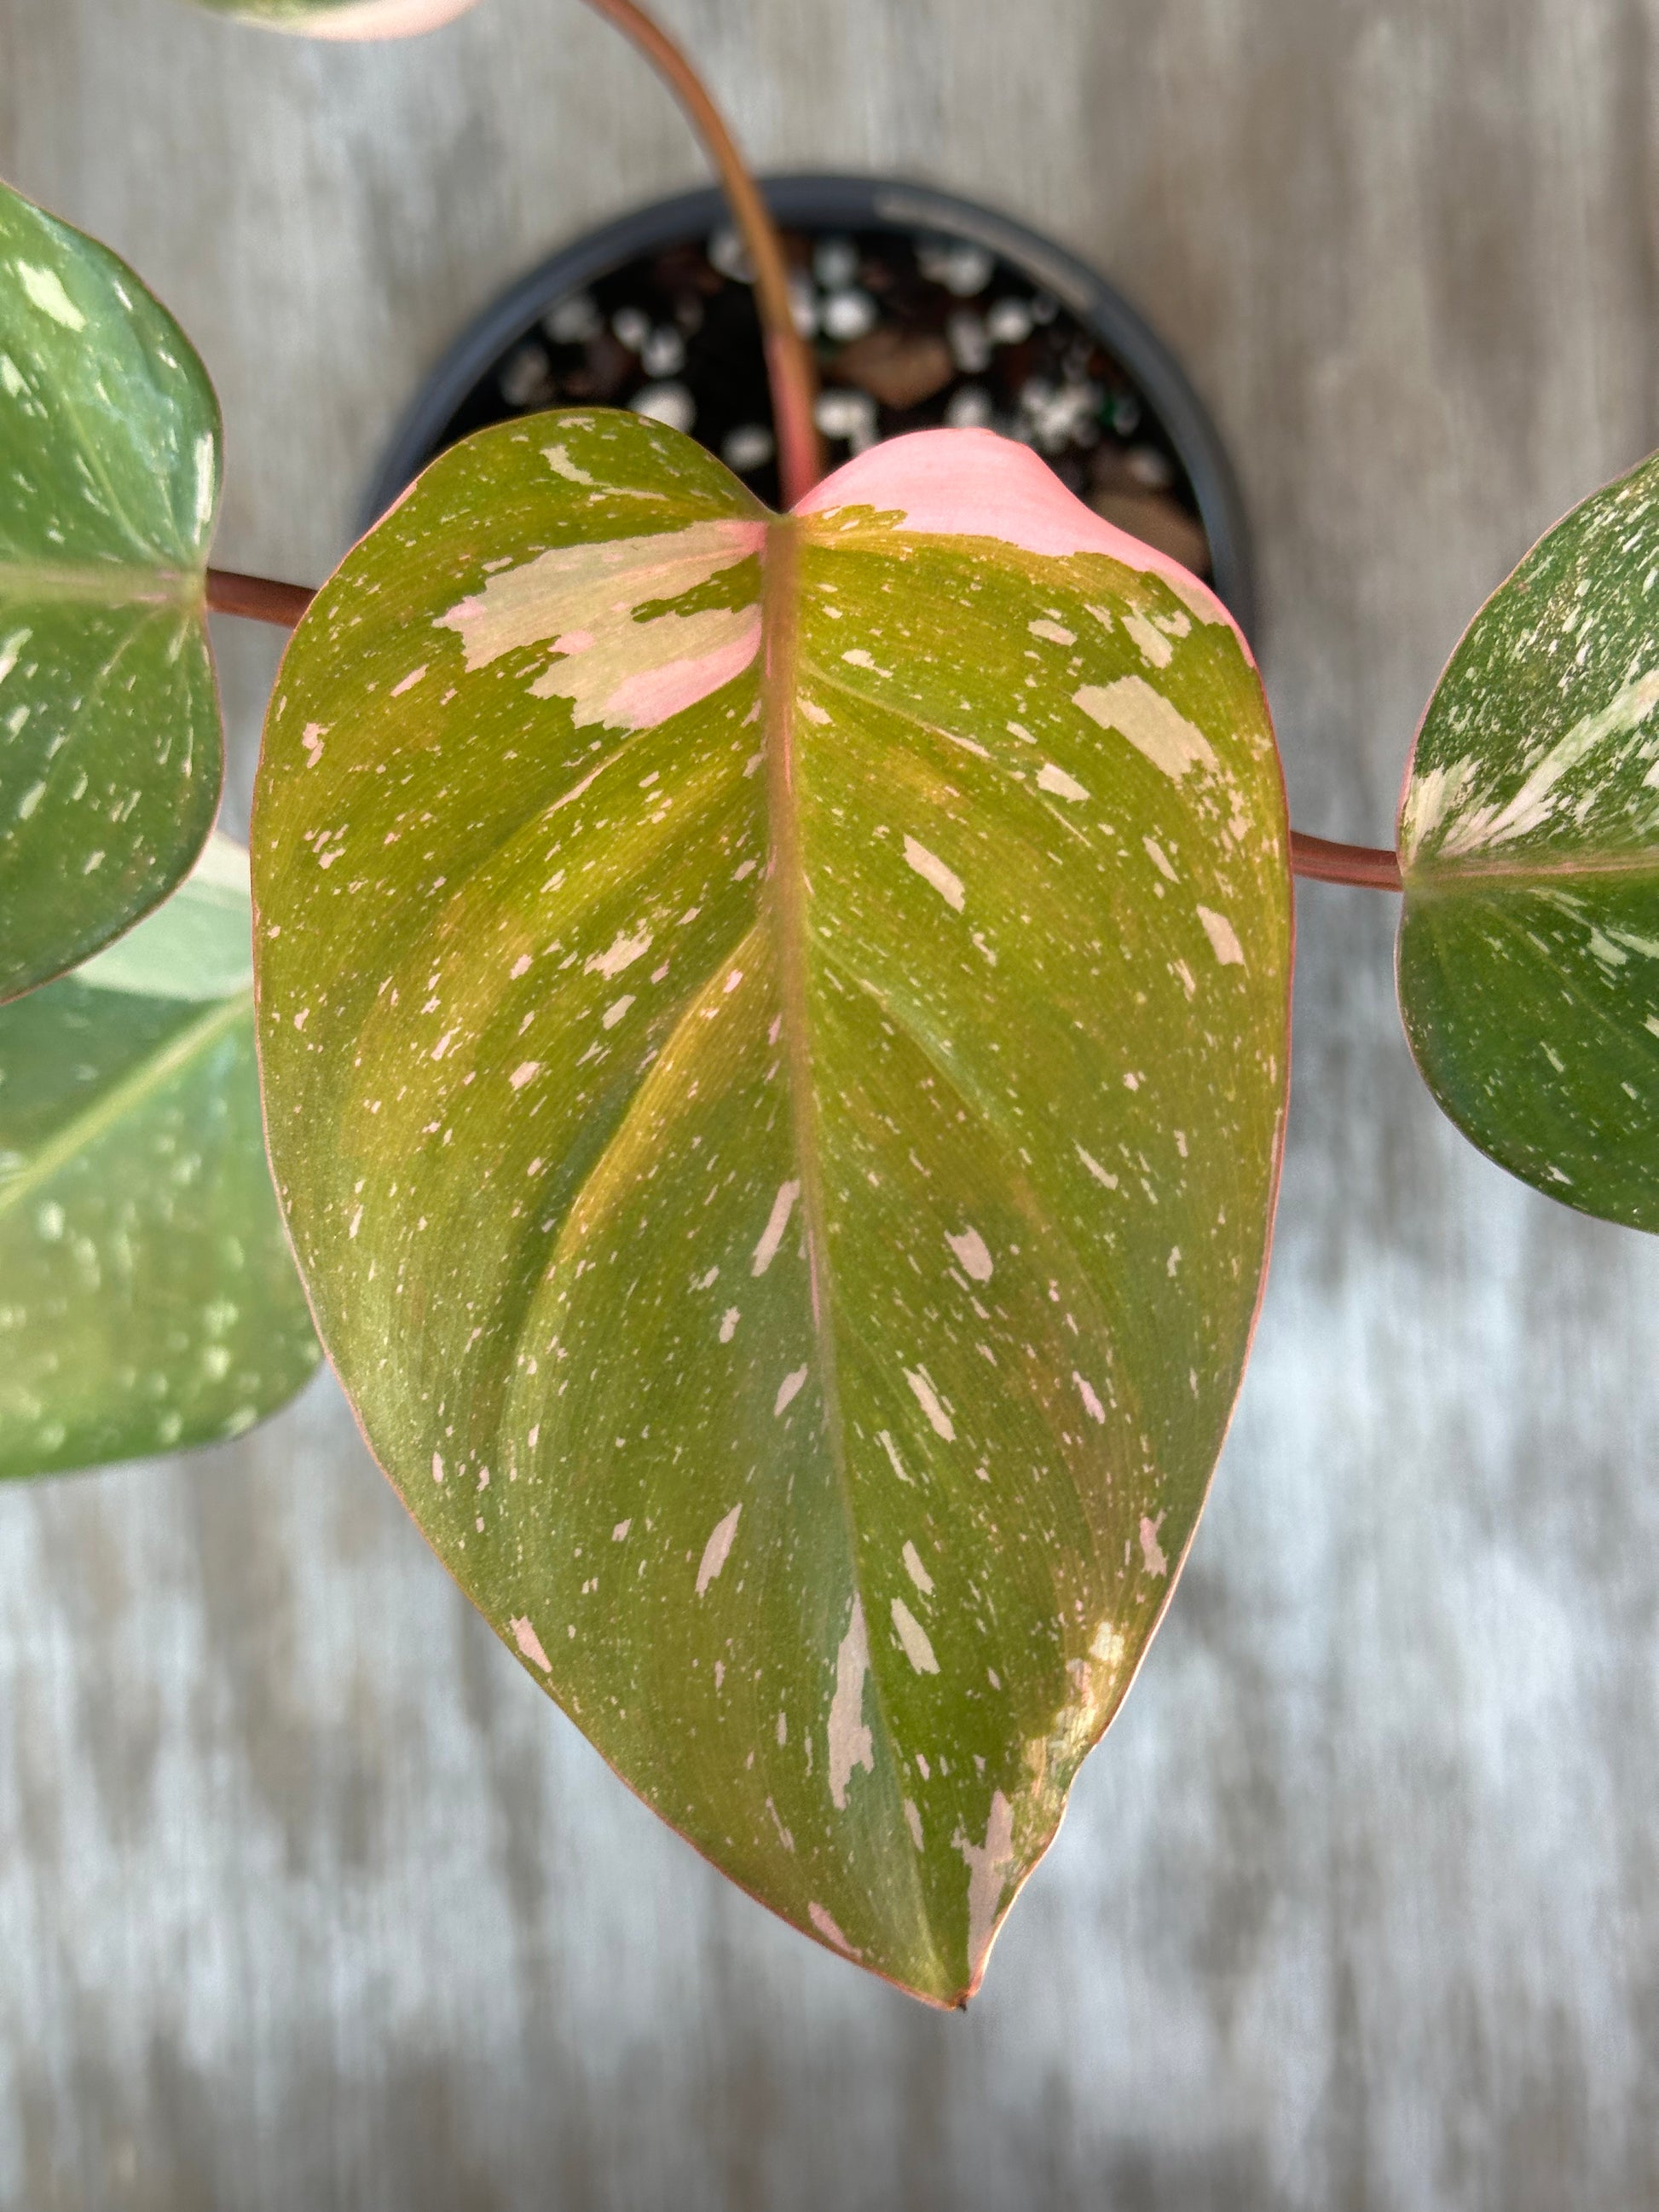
(788, 364)
(1327, 862)
(257, 598)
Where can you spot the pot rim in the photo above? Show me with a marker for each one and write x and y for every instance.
(818, 199)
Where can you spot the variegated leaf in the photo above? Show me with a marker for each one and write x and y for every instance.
(1529, 842)
(775, 1038)
(111, 756)
(147, 1297)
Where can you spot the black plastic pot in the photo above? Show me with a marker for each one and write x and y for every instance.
(925, 308)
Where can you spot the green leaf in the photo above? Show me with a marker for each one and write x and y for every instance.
(147, 1299)
(111, 756)
(344, 19)
(783, 1161)
(1528, 957)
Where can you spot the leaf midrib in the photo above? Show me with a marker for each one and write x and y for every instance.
(123, 583)
(1438, 875)
(152, 1076)
(784, 911)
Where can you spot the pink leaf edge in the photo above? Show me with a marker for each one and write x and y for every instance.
(975, 483)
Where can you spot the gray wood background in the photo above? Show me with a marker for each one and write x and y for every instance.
(306, 1899)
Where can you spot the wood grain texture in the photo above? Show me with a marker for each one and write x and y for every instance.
(306, 1898)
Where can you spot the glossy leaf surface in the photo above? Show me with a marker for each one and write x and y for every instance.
(147, 1299)
(111, 756)
(1528, 959)
(775, 1043)
(345, 19)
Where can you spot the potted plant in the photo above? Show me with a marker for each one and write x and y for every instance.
(773, 1036)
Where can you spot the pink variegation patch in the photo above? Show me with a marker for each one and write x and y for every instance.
(973, 483)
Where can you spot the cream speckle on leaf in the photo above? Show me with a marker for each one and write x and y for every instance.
(45, 288)
(1055, 780)
(928, 1399)
(972, 1254)
(913, 1567)
(1154, 645)
(718, 1549)
(824, 1921)
(851, 1744)
(1086, 1391)
(932, 870)
(777, 1224)
(1224, 938)
(623, 952)
(531, 1644)
(914, 1638)
(1155, 728)
(1152, 1551)
(989, 1865)
(560, 462)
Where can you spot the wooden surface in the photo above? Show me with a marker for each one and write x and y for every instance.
(306, 1898)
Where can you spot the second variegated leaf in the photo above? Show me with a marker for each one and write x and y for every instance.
(111, 756)
(1529, 842)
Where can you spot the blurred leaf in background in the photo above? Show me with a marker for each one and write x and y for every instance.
(147, 1299)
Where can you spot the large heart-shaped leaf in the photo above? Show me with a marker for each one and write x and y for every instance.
(345, 19)
(1529, 845)
(775, 1041)
(147, 1299)
(111, 756)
